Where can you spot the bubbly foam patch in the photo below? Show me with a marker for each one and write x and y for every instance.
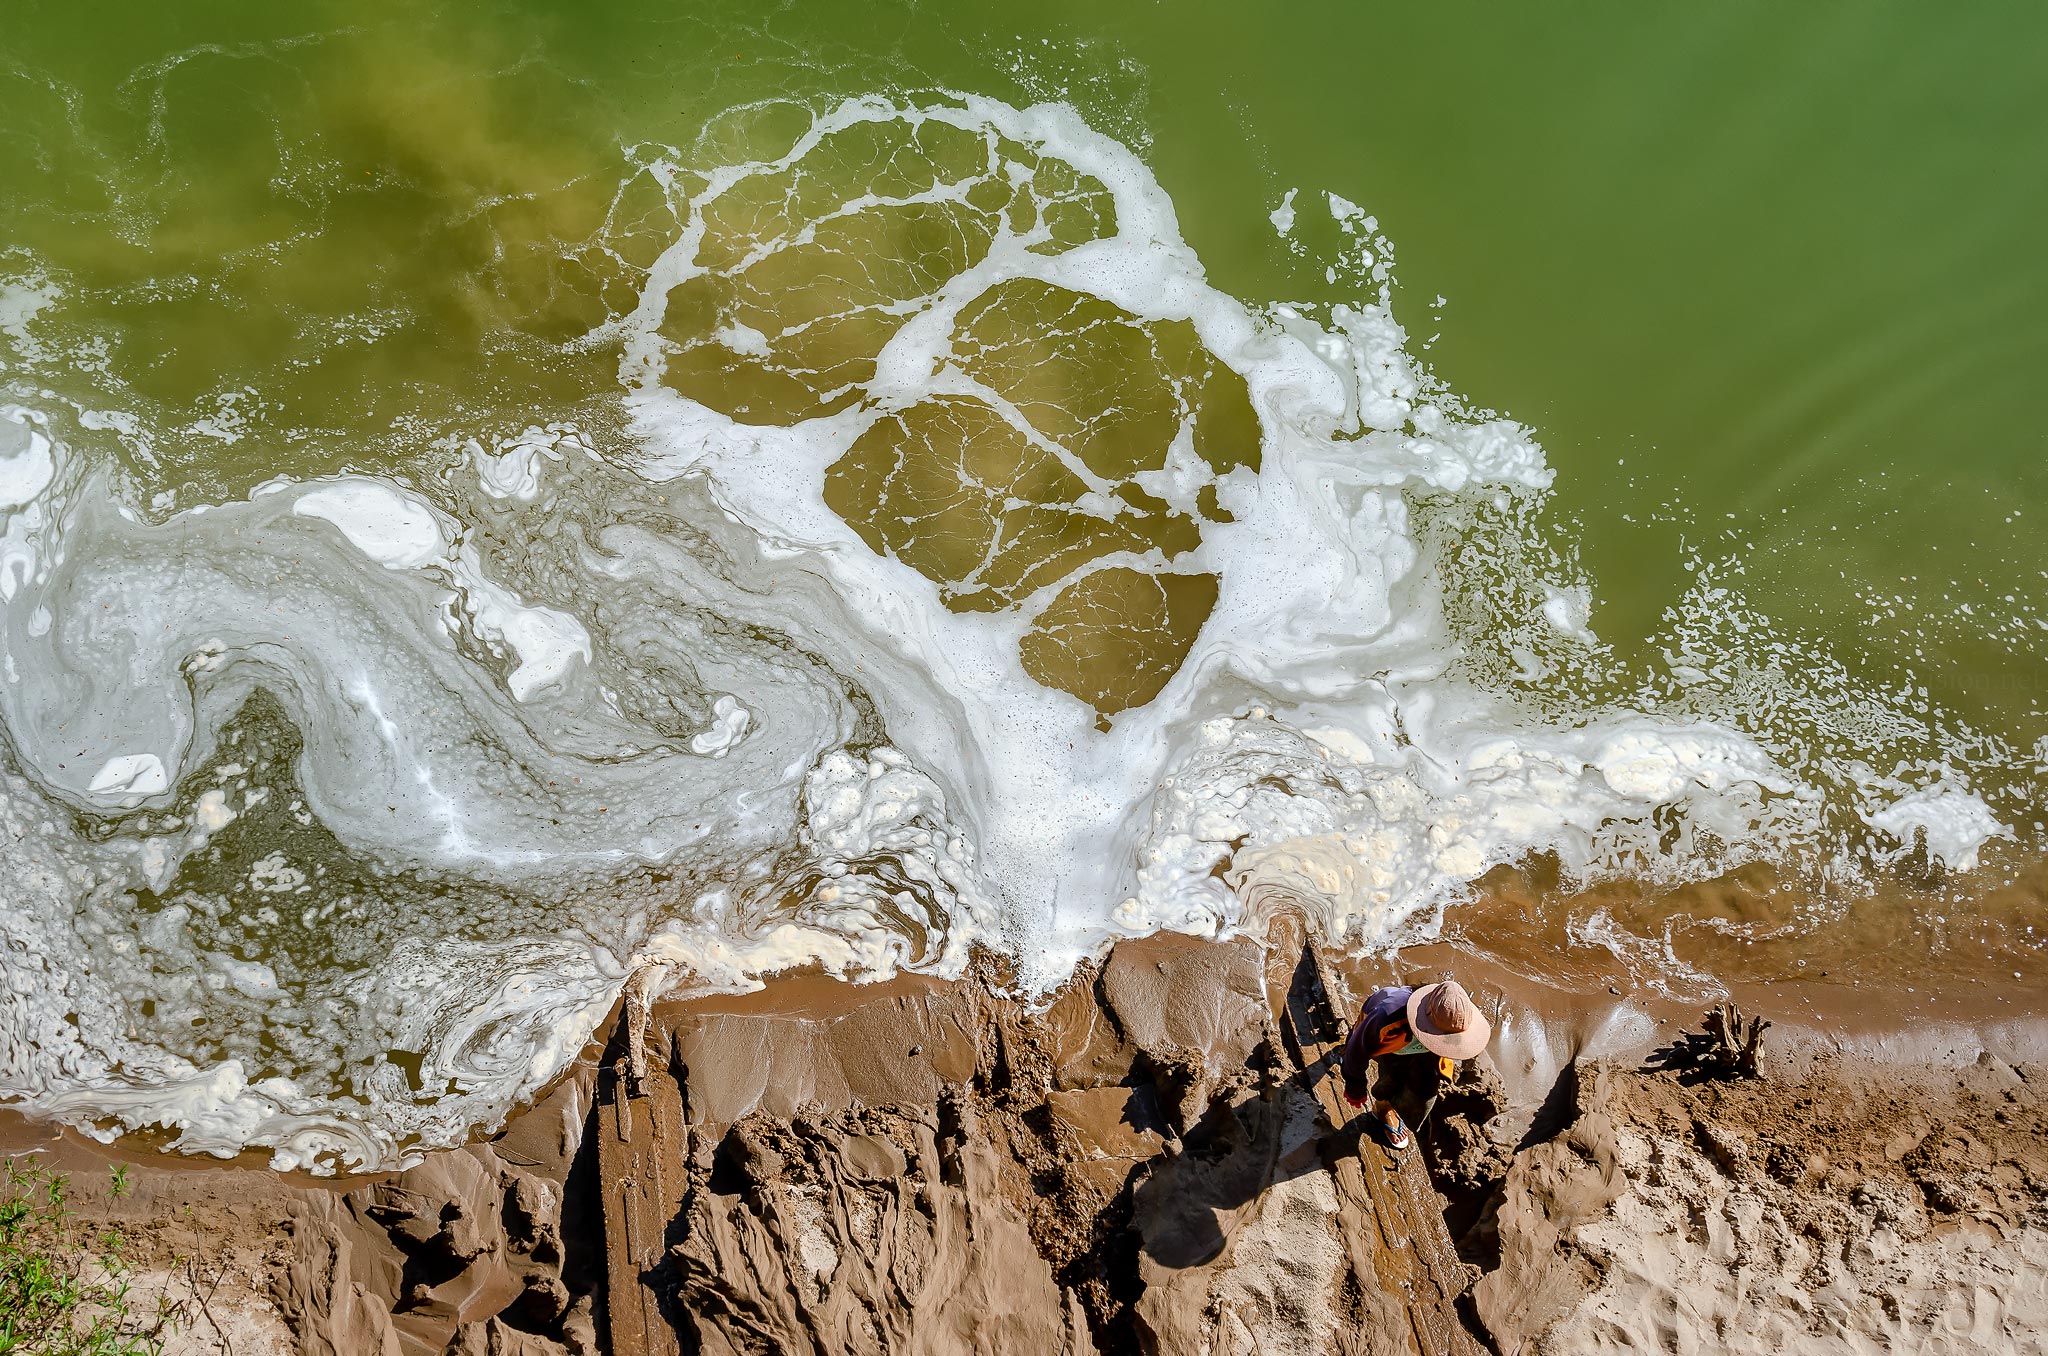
(970, 572)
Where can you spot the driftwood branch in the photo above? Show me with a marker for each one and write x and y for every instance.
(1734, 1048)
(1727, 1045)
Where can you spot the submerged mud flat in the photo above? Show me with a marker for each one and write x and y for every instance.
(949, 564)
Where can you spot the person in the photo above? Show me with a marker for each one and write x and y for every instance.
(1415, 1038)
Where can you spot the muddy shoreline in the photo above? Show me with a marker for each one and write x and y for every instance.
(1920, 967)
(1042, 1158)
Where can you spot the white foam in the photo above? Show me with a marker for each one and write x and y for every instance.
(729, 721)
(566, 716)
(1957, 823)
(743, 339)
(393, 528)
(29, 463)
(512, 470)
(129, 776)
(546, 641)
(1282, 216)
(26, 464)
(1567, 610)
(21, 301)
(401, 532)
(212, 814)
(1317, 590)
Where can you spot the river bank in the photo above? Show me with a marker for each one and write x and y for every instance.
(1150, 1163)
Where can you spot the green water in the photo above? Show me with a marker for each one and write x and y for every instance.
(1767, 281)
(382, 785)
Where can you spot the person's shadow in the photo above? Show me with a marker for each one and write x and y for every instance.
(1185, 1206)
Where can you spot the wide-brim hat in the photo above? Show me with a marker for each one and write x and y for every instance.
(1450, 1044)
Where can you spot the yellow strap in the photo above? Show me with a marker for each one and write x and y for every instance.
(1447, 1066)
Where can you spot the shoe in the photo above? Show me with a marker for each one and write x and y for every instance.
(1397, 1130)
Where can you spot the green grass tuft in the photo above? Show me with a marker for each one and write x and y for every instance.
(63, 1284)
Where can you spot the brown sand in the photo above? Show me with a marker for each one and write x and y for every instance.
(924, 1166)
(1849, 1210)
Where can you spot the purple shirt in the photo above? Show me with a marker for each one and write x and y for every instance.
(1382, 1029)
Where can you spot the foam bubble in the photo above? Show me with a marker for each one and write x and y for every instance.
(130, 775)
(390, 527)
(1955, 824)
(26, 467)
(1282, 216)
(729, 722)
